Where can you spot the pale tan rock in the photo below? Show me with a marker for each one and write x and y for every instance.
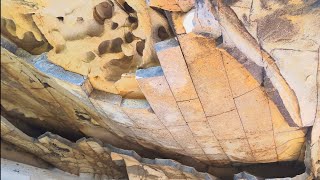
(200, 129)
(192, 110)
(232, 120)
(175, 70)
(103, 49)
(300, 70)
(183, 136)
(238, 150)
(289, 144)
(172, 5)
(157, 91)
(165, 138)
(179, 80)
(208, 73)
(241, 81)
(141, 114)
(234, 31)
(254, 112)
(128, 87)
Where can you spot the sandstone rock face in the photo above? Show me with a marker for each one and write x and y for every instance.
(211, 84)
(89, 158)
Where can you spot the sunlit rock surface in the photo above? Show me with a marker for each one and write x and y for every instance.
(220, 86)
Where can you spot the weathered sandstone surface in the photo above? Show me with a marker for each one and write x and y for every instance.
(216, 85)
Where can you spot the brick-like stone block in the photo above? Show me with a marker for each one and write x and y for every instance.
(200, 128)
(207, 141)
(207, 71)
(261, 142)
(165, 138)
(109, 105)
(175, 69)
(156, 89)
(194, 151)
(229, 120)
(238, 150)
(192, 110)
(266, 156)
(213, 150)
(183, 136)
(253, 108)
(240, 79)
(179, 80)
(289, 144)
(141, 113)
(278, 120)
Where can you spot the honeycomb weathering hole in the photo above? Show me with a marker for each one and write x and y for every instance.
(128, 8)
(129, 37)
(103, 11)
(162, 33)
(140, 47)
(110, 46)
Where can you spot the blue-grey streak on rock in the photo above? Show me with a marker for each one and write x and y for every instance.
(42, 63)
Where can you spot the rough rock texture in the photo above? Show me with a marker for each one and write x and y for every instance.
(218, 85)
(88, 157)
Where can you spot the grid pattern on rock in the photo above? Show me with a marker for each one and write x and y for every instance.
(214, 108)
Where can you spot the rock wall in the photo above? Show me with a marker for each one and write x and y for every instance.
(207, 83)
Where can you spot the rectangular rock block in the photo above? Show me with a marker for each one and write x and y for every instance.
(263, 146)
(165, 138)
(240, 79)
(200, 129)
(253, 108)
(207, 71)
(192, 110)
(207, 141)
(183, 136)
(175, 69)
(141, 113)
(238, 150)
(109, 105)
(289, 144)
(179, 80)
(230, 119)
(156, 89)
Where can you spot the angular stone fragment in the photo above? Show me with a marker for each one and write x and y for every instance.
(208, 73)
(205, 19)
(299, 68)
(156, 89)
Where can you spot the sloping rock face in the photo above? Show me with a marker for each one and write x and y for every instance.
(207, 83)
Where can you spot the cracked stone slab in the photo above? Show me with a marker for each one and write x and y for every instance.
(177, 75)
(206, 68)
(154, 86)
